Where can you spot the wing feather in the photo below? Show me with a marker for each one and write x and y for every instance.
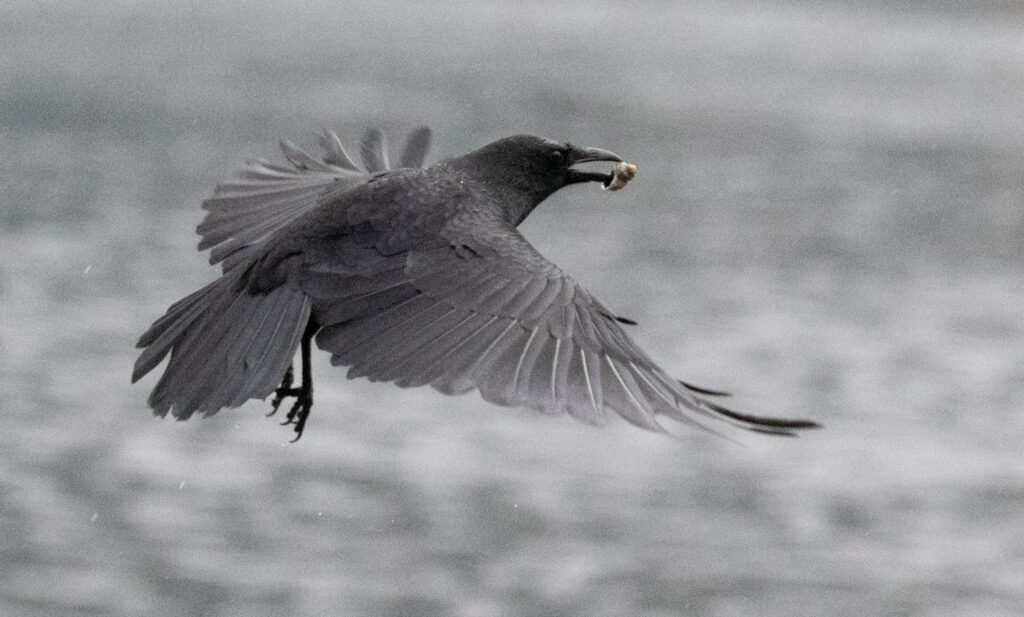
(416, 147)
(448, 355)
(501, 319)
(591, 407)
(374, 150)
(265, 197)
(494, 374)
(636, 409)
(416, 341)
(486, 345)
(245, 211)
(335, 153)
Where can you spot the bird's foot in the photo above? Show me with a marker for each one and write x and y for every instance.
(300, 410)
(284, 391)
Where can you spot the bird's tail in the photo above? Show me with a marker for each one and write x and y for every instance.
(227, 346)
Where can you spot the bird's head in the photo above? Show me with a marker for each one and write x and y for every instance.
(525, 169)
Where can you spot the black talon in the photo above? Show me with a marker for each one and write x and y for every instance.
(299, 413)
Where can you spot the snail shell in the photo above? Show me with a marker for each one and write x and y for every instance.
(621, 174)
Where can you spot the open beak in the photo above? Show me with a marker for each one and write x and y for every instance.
(590, 155)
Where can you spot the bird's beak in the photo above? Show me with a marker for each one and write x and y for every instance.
(587, 155)
(590, 155)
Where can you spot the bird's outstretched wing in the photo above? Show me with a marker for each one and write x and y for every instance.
(264, 197)
(498, 317)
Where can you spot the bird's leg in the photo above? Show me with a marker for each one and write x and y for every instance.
(283, 391)
(304, 394)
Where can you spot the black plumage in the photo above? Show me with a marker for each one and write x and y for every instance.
(411, 275)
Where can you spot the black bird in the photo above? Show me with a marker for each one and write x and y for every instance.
(412, 275)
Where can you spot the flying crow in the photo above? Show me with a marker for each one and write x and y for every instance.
(412, 275)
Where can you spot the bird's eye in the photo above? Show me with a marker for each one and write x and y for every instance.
(559, 156)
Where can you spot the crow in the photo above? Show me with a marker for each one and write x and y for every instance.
(413, 275)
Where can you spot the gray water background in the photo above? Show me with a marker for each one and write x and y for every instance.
(827, 221)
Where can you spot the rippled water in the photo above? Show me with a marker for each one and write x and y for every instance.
(827, 221)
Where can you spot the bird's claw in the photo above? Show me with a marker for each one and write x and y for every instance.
(279, 395)
(300, 408)
(299, 413)
(284, 391)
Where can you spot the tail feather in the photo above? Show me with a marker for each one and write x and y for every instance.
(226, 346)
(277, 338)
(161, 336)
(206, 359)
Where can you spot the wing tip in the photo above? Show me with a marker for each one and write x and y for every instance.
(761, 424)
(704, 391)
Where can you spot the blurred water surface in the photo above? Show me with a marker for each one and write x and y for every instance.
(827, 221)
